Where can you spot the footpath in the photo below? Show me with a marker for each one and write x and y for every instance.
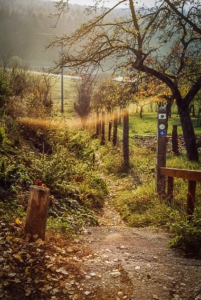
(108, 262)
(135, 263)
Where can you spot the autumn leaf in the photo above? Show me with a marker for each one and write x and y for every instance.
(17, 221)
(27, 271)
(28, 292)
(39, 242)
(62, 270)
(18, 257)
(8, 238)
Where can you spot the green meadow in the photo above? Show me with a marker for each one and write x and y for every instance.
(145, 126)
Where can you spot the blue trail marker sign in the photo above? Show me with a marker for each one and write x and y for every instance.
(161, 149)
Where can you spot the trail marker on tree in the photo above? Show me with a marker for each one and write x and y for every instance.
(161, 149)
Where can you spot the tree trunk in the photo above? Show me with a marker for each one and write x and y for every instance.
(141, 109)
(175, 148)
(84, 121)
(37, 211)
(189, 134)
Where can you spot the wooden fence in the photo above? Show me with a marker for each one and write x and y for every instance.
(191, 175)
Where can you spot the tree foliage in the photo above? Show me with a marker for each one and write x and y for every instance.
(110, 94)
(23, 93)
(83, 99)
(162, 41)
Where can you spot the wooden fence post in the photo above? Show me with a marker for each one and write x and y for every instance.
(109, 130)
(190, 205)
(103, 129)
(161, 150)
(126, 138)
(37, 211)
(97, 124)
(192, 176)
(120, 115)
(114, 140)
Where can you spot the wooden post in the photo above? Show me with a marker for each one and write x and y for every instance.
(192, 176)
(37, 211)
(161, 150)
(109, 130)
(97, 124)
(191, 197)
(115, 130)
(103, 129)
(126, 138)
(175, 148)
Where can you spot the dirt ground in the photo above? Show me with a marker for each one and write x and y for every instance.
(132, 263)
(108, 262)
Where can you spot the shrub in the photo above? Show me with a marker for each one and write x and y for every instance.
(2, 136)
(187, 234)
(5, 90)
(13, 174)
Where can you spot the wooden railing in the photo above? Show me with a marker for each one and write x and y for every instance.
(192, 177)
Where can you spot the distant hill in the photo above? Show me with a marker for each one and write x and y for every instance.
(27, 28)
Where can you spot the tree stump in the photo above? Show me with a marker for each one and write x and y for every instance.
(37, 211)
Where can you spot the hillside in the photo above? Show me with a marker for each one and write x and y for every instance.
(27, 28)
(109, 261)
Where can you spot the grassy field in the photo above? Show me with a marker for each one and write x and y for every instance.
(147, 125)
(69, 95)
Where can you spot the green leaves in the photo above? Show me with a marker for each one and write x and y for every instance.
(187, 234)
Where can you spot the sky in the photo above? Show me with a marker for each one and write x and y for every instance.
(110, 2)
(91, 2)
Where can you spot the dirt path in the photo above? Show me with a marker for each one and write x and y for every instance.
(131, 263)
(109, 262)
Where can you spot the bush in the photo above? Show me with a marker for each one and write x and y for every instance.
(13, 174)
(187, 234)
(4, 90)
(2, 136)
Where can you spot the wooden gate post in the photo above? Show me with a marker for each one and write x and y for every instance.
(37, 211)
(161, 149)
